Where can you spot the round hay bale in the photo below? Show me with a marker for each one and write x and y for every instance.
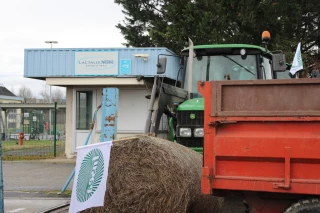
(152, 175)
(207, 204)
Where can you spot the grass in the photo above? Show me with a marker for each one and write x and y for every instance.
(52, 193)
(32, 144)
(66, 193)
(48, 155)
(30, 150)
(26, 157)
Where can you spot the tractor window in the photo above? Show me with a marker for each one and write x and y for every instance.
(222, 67)
(199, 72)
(232, 67)
(199, 66)
(266, 68)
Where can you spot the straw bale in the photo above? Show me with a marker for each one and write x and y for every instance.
(207, 204)
(152, 175)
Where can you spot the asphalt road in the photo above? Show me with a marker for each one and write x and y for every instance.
(26, 186)
(33, 186)
(36, 176)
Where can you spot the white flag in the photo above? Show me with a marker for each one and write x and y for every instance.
(297, 61)
(90, 178)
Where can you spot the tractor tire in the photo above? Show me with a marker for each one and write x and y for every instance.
(309, 205)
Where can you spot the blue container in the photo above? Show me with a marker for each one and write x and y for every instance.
(131, 62)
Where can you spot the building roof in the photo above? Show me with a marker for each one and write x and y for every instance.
(5, 92)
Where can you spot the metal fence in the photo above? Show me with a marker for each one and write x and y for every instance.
(36, 127)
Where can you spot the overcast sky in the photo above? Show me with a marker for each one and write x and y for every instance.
(73, 23)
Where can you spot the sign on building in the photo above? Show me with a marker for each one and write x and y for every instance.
(96, 63)
(125, 67)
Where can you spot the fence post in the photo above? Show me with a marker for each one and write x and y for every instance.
(109, 112)
(1, 176)
(55, 130)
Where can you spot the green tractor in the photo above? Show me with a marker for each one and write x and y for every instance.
(185, 106)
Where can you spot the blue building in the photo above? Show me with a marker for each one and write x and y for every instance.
(84, 72)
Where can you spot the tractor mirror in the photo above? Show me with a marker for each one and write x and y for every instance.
(161, 66)
(279, 63)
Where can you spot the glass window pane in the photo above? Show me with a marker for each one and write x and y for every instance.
(233, 67)
(266, 68)
(83, 110)
(227, 67)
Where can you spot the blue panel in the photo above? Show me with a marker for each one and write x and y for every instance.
(125, 66)
(173, 65)
(69, 67)
(42, 63)
(109, 118)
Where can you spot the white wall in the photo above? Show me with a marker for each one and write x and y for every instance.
(132, 114)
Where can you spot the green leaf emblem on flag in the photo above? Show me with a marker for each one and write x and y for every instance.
(299, 58)
(90, 175)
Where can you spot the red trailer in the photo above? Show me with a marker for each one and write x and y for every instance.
(262, 143)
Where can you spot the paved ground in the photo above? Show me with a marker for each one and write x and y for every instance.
(29, 202)
(32, 186)
(40, 176)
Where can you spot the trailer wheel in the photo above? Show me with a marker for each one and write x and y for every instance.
(310, 205)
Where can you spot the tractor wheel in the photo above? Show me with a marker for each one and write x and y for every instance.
(310, 205)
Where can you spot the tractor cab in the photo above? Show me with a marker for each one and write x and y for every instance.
(184, 106)
(226, 62)
(218, 62)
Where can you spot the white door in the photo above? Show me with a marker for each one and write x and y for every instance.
(83, 109)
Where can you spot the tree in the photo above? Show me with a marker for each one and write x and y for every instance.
(45, 94)
(26, 93)
(167, 23)
(57, 95)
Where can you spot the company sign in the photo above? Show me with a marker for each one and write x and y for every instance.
(96, 63)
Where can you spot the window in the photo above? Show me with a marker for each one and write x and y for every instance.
(232, 67)
(222, 67)
(83, 110)
(266, 68)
